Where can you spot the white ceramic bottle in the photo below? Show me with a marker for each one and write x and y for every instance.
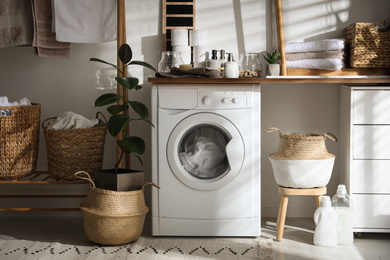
(343, 206)
(325, 218)
(231, 67)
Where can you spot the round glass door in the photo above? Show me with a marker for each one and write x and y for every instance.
(205, 151)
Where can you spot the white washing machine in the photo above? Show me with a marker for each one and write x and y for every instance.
(206, 159)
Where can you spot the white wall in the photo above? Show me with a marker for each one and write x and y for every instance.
(61, 85)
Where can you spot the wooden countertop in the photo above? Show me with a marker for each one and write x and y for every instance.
(281, 79)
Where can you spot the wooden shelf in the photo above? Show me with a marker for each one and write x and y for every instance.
(40, 178)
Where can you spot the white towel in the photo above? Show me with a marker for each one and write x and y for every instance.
(85, 21)
(21, 102)
(70, 120)
(324, 45)
(320, 64)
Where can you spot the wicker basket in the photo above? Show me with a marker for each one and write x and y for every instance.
(19, 131)
(113, 217)
(367, 47)
(73, 150)
(296, 146)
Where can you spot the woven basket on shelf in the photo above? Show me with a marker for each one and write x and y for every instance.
(367, 47)
(113, 217)
(73, 150)
(19, 132)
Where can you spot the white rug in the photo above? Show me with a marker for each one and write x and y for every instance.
(144, 248)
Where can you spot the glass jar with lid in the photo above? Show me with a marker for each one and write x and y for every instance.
(250, 65)
(169, 59)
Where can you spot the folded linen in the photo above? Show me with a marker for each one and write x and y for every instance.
(71, 120)
(321, 64)
(323, 45)
(44, 39)
(21, 102)
(338, 54)
(16, 23)
(87, 21)
(191, 73)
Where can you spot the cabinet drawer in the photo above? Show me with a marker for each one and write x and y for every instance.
(371, 176)
(371, 142)
(371, 107)
(371, 211)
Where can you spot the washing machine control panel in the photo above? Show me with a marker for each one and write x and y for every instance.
(224, 99)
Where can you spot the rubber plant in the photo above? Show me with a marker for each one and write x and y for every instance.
(119, 118)
(271, 58)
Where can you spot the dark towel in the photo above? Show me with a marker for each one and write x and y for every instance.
(44, 39)
(191, 73)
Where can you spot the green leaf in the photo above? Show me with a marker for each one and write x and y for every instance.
(134, 144)
(105, 62)
(124, 53)
(115, 109)
(142, 63)
(140, 109)
(116, 123)
(107, 99)
(128, 83)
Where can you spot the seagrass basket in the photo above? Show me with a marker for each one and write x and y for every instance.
(73, 150)
(367, 47)
(113, 217)
(19, 132)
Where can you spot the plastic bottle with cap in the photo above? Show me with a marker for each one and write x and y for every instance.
(325, 218)
(343, 205)
(231, 67)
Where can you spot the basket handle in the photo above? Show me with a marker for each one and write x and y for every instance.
(49, 123)
(150, 183)
(101, 114)
(331, 137)
(86, 177)
(272, 129)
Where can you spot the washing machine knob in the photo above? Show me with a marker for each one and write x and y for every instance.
(206, 100)
(234, 100)
(224, 101)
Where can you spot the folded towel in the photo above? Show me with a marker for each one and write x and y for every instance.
(16, 23)
(323, 45)
(21, 102)
(86, 21)
(339, 54)
(44, 39)
(71, 120)
(191, 73)
(321, 64)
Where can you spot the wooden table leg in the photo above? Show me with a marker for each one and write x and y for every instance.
(281, 217)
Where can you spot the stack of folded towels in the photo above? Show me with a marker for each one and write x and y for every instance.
(325, 54)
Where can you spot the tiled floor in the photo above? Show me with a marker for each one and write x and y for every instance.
(297, 242)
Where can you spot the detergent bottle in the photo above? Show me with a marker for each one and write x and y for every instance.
(343, 205)
(325, 218)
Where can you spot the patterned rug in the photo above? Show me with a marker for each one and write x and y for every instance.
(144, 248)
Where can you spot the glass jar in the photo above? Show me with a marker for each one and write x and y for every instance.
(169, 59)
(250, 65)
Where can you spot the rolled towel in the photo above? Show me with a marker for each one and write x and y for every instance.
(323, 45)
(321, 64)
(70, 120)
(338, 54)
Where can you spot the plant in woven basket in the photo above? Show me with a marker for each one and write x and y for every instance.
(119, 107)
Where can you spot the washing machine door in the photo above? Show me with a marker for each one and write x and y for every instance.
(205, 151)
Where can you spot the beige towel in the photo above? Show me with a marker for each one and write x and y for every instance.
(16, 23)
(44, 39)
(339, 54)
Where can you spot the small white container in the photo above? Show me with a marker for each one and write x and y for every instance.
(302, 174)
(231, 67)
(325, 218)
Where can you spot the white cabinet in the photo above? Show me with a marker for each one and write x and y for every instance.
(365, 154)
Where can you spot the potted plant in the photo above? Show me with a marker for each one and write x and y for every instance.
(116, 178)
(273, 68)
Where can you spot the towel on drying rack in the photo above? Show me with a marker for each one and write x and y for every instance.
(85, 21)
(320, 64)
(16, 23)
(337, 54)
(44, 39)
(323, 45)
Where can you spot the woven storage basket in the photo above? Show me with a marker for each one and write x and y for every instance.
(367, 47)
(296, 146)
(19, 133)
(73, 150)
(302, 160)
(113, 217)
